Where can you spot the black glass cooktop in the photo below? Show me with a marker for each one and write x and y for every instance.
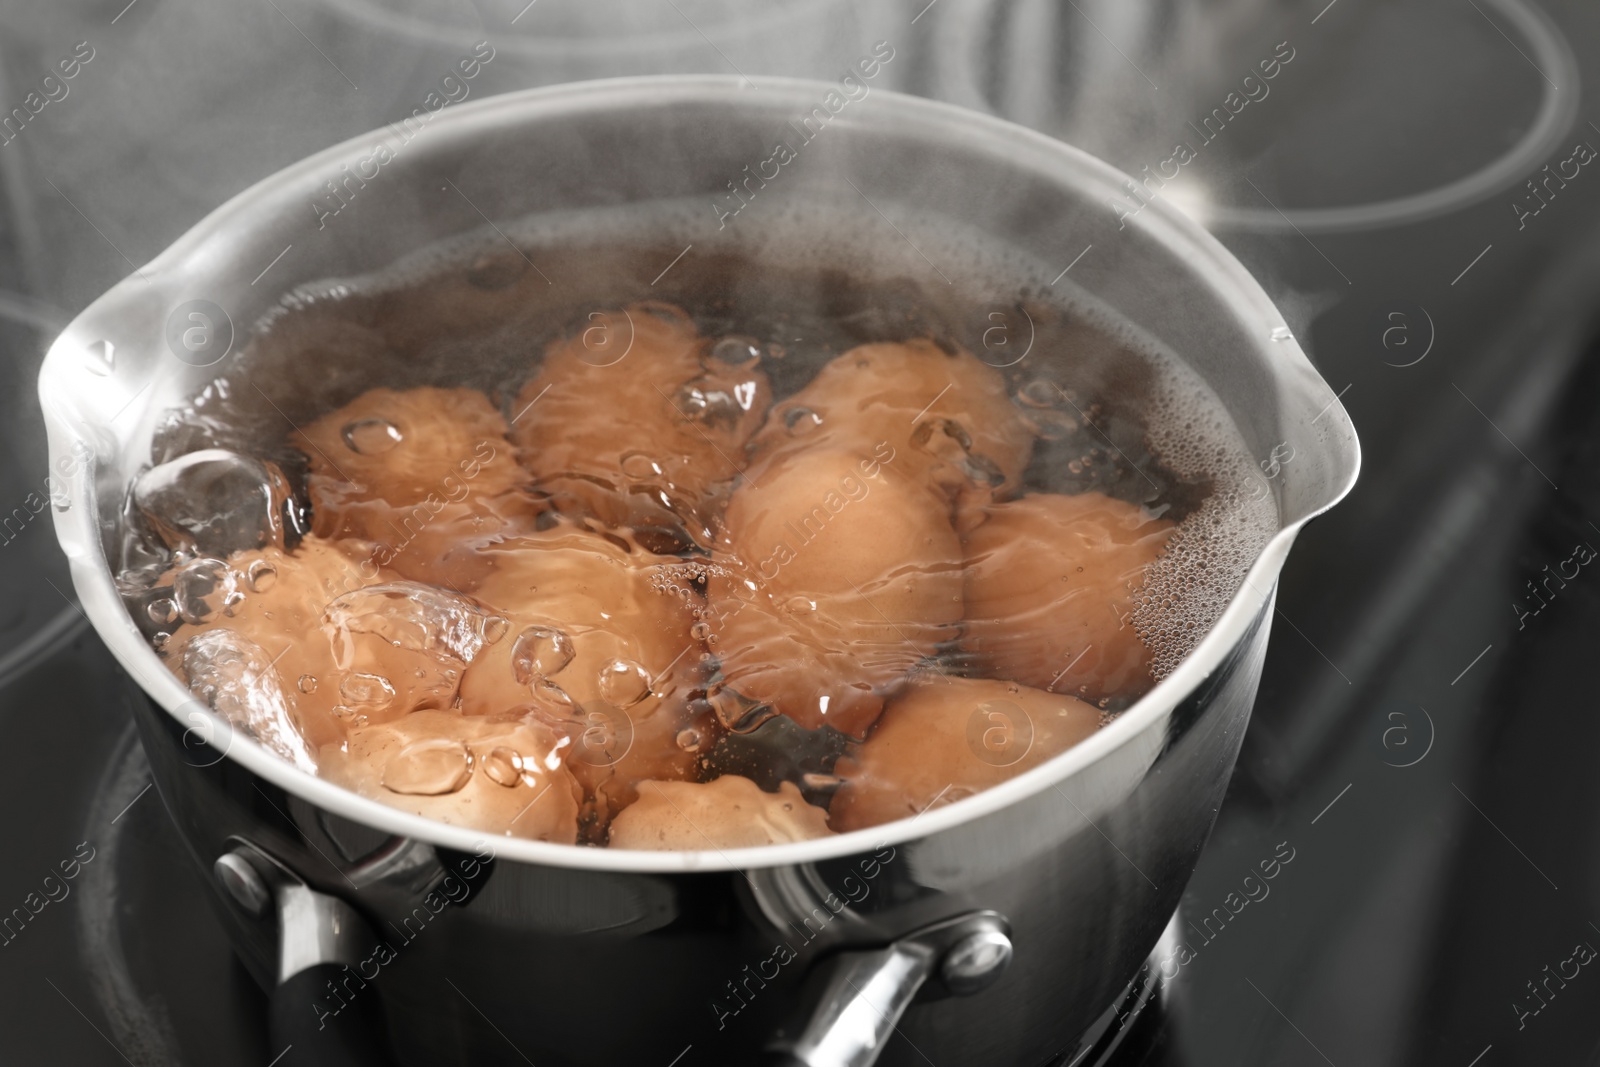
(1414, 186)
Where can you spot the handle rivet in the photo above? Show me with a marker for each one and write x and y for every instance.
(975, 961)
(243, 882)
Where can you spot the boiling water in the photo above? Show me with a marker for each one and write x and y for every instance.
(1110, 413)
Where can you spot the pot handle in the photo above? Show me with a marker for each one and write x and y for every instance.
(320, 1006)
(355, 1037)
(853, 1001)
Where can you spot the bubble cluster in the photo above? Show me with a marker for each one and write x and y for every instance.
(236, 677)
(1187, 589)
(685, 578)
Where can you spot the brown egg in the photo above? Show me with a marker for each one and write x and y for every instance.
(949, 413)
(274, 599)
(838, 572)
(1050, 584)
(729, 812)
(492, 775)
(347, 647)
(426, 474)
(635, 421)
(944, 739)
(599, 647)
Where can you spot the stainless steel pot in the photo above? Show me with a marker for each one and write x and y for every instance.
(994, 930)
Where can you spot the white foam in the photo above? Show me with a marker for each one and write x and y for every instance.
(1205, 562)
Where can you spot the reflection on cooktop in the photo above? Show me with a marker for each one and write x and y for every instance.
(1368, 114)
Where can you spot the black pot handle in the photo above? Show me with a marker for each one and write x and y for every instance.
(853, 1000)
(309, 1028)
(322, 1012)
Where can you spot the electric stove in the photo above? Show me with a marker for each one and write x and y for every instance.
(1416, 184)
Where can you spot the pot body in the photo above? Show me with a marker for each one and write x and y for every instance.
(500, 960)
(504, 950)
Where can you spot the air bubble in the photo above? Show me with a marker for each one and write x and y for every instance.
(202, 590)
(553, 702)
(214, 503)
(624, 683)
(1052, 425)
(948, 440)
(260, 576)
(371, 437)
(1040, 393)
(704, 401)
(367, 690)
(412, 616)
(739, 352)
(428, 768)
(689, 739)
(640, 466)
(503, 766)
(541, 652)
(307, 683)
(162, 611)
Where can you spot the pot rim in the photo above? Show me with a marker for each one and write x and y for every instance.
(77, 525)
